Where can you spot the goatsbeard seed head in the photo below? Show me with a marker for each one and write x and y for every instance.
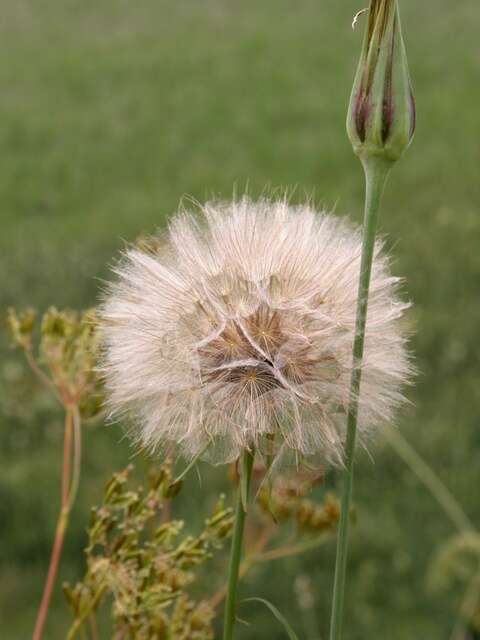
(235, 330)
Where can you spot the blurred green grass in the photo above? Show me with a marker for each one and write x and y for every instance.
(110, 113)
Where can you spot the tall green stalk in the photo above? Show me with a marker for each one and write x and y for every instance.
(376, 175)
(380, 125)
(236, 549)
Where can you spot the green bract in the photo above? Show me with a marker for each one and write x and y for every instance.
(381, 115)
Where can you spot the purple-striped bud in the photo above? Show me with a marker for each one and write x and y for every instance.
(381, 115)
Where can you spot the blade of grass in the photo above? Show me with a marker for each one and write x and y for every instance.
(279, 616)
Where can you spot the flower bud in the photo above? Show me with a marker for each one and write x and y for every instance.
(381, 115)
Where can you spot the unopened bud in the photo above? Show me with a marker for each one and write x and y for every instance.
(381, 115)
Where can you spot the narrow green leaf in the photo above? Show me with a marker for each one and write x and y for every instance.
(288, 629)
(189, 466)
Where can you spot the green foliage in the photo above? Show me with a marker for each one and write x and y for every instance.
(139, 557)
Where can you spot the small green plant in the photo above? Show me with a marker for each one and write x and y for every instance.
(141, 565)
(144, 565)
(65, 361)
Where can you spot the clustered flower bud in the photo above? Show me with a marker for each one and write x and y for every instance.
(381, 115)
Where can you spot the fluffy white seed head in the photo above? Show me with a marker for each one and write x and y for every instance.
(236, 331)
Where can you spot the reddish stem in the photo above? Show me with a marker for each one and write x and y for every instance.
(60, 530)
(67, 458)
(52, 574)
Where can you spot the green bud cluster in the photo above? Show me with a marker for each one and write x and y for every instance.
(144, 565)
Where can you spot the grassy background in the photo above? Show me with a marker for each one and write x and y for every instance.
(110, 112)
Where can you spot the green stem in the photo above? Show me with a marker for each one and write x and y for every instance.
(236, 549)
(376, 173)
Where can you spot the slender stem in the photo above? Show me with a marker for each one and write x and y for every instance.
(293, 550)
(38, 371)
(446, 500)
(236, 549)
(67, 457)
(52, 573)
(60, 530)
(77, 457)
(376, 173)
(68, 493)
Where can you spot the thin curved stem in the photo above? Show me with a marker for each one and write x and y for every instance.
(69, 486)
(450, 505)
(376, 174)
(236, 549)
(67, 457)
(38, 371)
(77, 457)
(293, 550)
(52, 574)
